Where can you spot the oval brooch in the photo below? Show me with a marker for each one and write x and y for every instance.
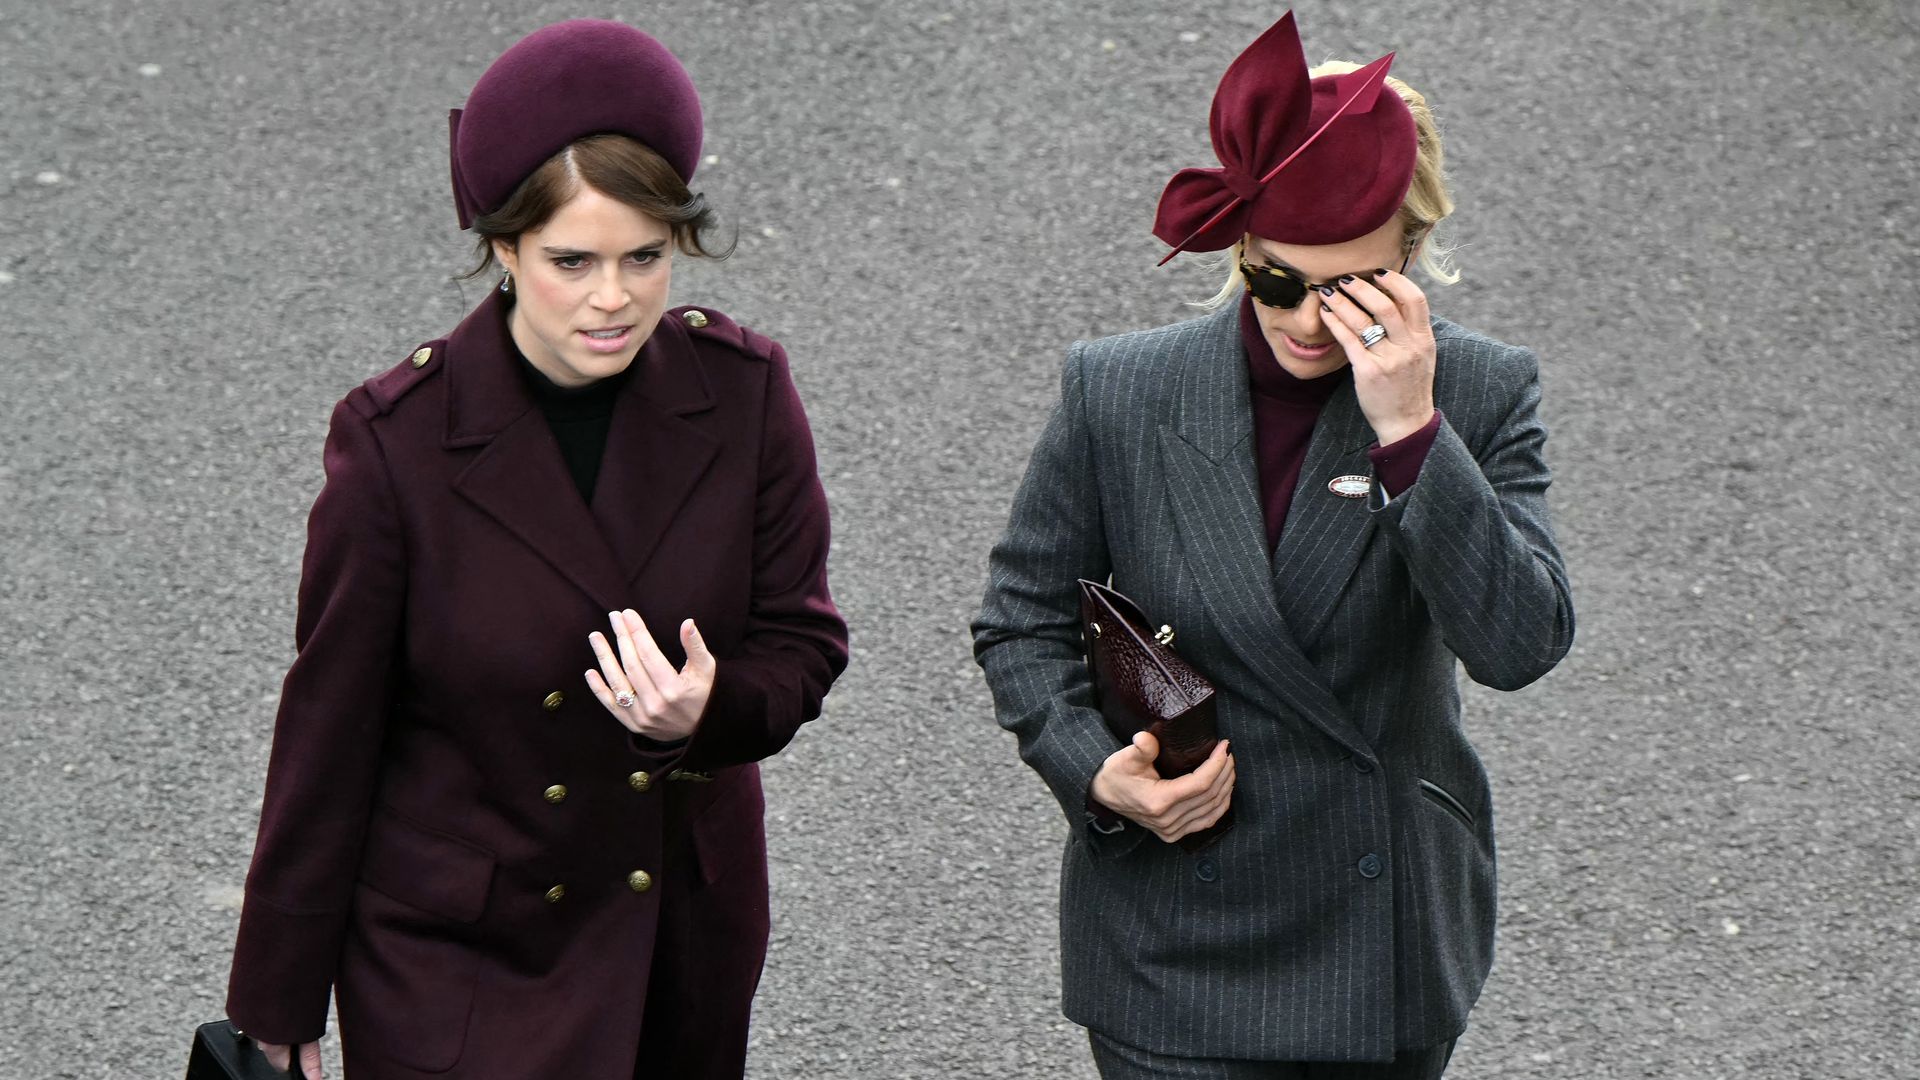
(1351, 487)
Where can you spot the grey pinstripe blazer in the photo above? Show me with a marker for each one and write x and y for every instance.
(1351, 911)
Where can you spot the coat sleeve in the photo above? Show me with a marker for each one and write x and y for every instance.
(326, 744)
(795, 643)
(1476, 538)
(1027, 635)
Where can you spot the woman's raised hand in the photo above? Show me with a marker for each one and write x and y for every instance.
(641, 689)
(1128, 785)
(1394, 378)
(279, 1055)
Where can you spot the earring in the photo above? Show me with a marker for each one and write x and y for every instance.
(506, 281)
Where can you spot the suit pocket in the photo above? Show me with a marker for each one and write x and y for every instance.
(1438, 796)
(425, 868)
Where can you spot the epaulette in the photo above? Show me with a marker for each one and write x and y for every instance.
(708, 324)
(390, 386)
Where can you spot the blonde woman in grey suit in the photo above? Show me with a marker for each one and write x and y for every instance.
(1335, 498)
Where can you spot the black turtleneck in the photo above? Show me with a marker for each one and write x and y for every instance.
(580, 418)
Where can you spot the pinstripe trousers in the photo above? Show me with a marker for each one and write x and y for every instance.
(1118, 1061)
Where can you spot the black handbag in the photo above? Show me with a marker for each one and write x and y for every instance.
(1141, 684)
(220, 1052)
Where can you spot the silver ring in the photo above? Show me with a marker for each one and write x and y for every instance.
(624, 699)
(1372, 335)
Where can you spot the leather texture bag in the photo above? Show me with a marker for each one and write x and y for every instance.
(220, 1052)
(1141, 684)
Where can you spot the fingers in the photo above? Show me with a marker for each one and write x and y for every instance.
(1199, 813)
(1197, 817)
(1408, 297)
(1345, 319)
(613, 672)
(652, 661)
(1375, 305)
(1173, 808)
(1147, 745)
(700, 662)
(636, 670)
(1205, 777)
(281, 1057)
(600, 690)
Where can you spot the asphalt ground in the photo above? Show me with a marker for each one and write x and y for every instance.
(216, 217)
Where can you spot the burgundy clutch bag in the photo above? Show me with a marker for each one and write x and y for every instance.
(1141, 684)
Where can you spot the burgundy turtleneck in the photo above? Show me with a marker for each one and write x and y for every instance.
(1285, 409)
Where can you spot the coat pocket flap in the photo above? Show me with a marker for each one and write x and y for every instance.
(730, 830)
(428, 869)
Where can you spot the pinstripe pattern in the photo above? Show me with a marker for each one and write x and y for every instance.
(1117, 1061)
(1335, 664)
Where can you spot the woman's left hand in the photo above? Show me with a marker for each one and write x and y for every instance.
(1394, 378)
(641, 689)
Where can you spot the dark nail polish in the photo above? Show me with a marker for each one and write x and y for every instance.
(1382, 272)
(1325, 290)
(1325, 310)
(1348, 280)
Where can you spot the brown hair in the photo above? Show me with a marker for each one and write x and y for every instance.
(619, 167)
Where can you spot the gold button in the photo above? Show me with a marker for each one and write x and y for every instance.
(640, 781)
(553, 701)
(695, 317)
(557, 793)
(639, 881)
(421, 357)
(554, 894)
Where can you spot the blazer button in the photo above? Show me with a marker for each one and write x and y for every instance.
(1363, 764)
(553, 701)
(421, 357)
(1369, 866)
(640, 781)
(554, 894)
(639, 881)
(696, 317)
(556, 794)
(1205, 870)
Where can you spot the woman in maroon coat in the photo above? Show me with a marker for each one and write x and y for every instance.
(564, 586)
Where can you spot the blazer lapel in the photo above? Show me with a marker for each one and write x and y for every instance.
(1325, 534)
(1207, 454)
(655, 457)
(518, 478)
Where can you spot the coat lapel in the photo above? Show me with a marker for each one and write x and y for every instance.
(1207, 454)
(655, 456)
(518, 477)
(1325, 534)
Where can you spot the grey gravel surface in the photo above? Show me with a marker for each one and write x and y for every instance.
(220, 215)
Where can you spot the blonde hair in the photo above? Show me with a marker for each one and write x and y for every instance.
(1427, 204)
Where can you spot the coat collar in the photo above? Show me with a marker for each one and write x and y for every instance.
(658, 447)
(487, 392)
(1213, 483)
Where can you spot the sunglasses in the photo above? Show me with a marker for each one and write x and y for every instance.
(1278, 288)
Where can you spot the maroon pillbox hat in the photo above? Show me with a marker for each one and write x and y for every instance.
(1304, 161)
(561, 83)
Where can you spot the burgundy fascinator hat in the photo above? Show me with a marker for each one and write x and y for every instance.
(1303, 161)
(561, 83)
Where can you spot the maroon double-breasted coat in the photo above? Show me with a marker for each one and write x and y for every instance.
(489, 867)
